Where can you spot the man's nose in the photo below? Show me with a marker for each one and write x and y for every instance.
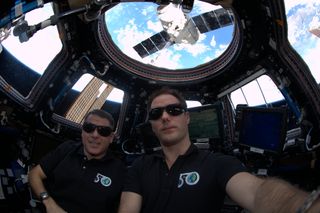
(95, 132)
(165, 115)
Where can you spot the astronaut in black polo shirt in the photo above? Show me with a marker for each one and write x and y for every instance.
(182, 178)
(81, 177)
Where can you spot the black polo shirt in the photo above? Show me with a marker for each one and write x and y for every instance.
(81, 185)
(195, 183)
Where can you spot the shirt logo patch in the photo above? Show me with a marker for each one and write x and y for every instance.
(190, 178)
(104, 180)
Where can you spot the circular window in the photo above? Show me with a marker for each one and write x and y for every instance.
(164, 43)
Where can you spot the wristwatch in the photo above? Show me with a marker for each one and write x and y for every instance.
(43, 196)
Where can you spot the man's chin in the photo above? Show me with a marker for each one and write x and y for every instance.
(168, 142)
(93, 151)
(96, 155)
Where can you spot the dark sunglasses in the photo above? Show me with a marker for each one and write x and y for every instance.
(172, 109)
(102, 130)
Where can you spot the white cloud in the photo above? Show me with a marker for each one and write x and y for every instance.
(147, 10)
(207, 59)
(304, 15)
(193, 49)
(220, 50)
(305, 12)
(167, 59)
(154, 26)
(114, 14)
(315, 23)
(297, 25)
(213, 41)
(203, 7)
(202, 37)
(312, 59)
(129, 36)
(197, 49)
(290, 4)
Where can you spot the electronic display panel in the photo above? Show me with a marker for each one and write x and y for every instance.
(261, 129)
(206, 123)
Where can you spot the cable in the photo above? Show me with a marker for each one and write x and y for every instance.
(308, 139)
(55, 129)
(129, 153)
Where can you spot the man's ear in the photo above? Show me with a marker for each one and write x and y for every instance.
(188, 117)
(114, 136)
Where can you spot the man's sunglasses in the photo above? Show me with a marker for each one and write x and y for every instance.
(172, 109)
(102, 130)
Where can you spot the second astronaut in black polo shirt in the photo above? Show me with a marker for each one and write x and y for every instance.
(81, 177)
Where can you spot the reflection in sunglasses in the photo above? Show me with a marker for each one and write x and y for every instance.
(102, 130)
(172, 109)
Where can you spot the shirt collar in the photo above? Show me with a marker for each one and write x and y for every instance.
(106, 157)
(192, 149)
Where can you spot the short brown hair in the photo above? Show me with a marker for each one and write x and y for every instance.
(101, 113)
(169, 91)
